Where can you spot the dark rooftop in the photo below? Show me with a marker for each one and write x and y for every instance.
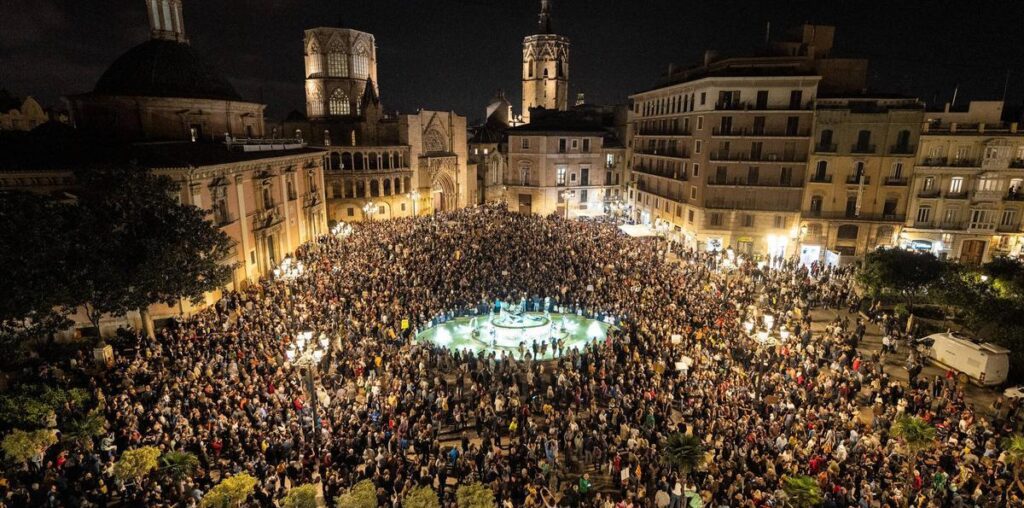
(161, 68)
(54, 149)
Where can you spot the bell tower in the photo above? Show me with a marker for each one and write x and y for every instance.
(165, 20)
(545, 67)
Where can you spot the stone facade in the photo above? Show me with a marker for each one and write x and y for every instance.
(545, 67)
(966, 198)
(720, 160)
(339, 63)
(862, 156)
(562, 170)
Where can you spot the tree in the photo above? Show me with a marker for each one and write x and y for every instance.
(36, 264)
(916, 436)
(303, 496)
(84, 429)
(135, 464)
(178, 465)
(802, 491)
(361, 495)
(143, 247)
(1007, 276)
(421, 497)
(20, 446)
(230, 492)
(902, 272)
(474, 495)
(685, 452)
(1013, 455)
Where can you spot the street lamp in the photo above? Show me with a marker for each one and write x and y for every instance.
(566, 196)
(306, 354)
(369, 209)
(413, 196)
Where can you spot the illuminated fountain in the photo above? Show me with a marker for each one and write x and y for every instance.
(514, 329)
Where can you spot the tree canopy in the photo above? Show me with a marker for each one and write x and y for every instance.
(902, 272)
(120, 242)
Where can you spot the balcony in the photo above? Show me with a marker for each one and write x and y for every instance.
(872, 217)
(943, 162)
(902, 149)
(1008, 228)
(677, 154)
(987, 195)
(895, 181)
(854, 180)
(748, 106)
(762, 133)
(956, 195)
(823, 148)
(743, 182)
(929, 193)
(663, 132)
(944, 225)
(982, 226)
(821, 179)
(1017, 163)
(763, 157)
(859, 148)
(1014, 196)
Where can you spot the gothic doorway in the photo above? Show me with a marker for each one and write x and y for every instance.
(443, 193)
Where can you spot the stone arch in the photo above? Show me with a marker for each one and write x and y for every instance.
(346, 161)
(358, 161)
(374, 188)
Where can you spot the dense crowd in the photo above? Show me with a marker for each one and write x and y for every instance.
(704, 346)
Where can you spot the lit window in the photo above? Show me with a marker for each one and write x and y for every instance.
(360, 65)
(339, 103)
(560, 175)
(337, 64)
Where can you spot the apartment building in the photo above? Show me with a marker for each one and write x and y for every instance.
(966, 195)
(563, 163)
(719, 159)
(856, 192)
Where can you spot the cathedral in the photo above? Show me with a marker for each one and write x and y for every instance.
(545, 67)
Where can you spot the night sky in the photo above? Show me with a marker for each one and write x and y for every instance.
(453, 54)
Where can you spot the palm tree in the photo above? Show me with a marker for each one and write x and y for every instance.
(917, 436)
(83, 430)
(178, 466)
(1013, 455)
(685, 452)
(802, 491)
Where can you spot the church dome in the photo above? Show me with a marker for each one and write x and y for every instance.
(164, 68)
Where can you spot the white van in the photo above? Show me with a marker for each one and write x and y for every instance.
(983, 363)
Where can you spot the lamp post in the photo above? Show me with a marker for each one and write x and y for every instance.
(306, 354)
(566, 196)
(369, 209)
(413, 196)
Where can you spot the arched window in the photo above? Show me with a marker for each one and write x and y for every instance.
(374, 189)
(339, 103)
(847, 232)
(825, 140)
(316, 104)
(821, 171)
(360, 64)
(529, 68)
(903, 142)
(815, 205)
(314, 61)
(387, 186)
(337, 64)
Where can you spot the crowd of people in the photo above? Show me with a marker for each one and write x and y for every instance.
(705, 345)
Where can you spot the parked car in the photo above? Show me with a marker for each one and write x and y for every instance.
(979, 362)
